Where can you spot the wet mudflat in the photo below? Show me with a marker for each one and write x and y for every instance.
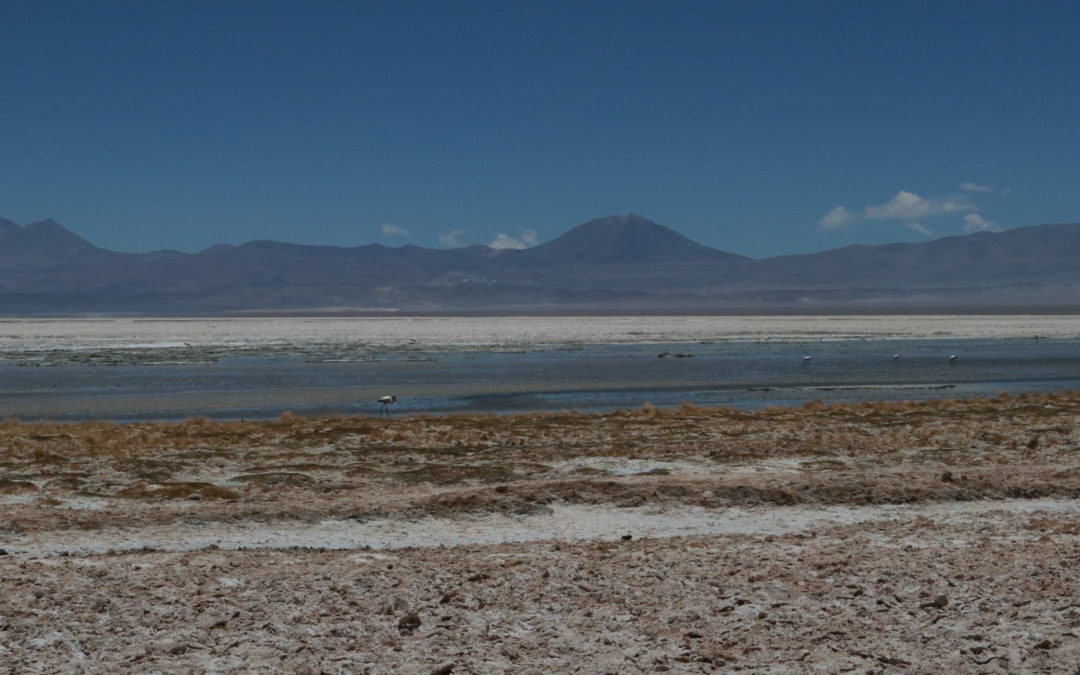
(870, 537)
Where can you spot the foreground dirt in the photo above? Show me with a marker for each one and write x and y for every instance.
(875, 537)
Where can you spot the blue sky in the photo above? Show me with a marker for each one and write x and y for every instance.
(761, 128)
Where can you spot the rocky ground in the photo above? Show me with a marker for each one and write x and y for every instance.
(916, 537)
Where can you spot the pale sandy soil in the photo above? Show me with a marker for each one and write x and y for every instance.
(922, 538)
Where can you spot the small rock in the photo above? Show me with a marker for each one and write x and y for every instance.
(409, 622)
(167, 646)
(627, 537)
(939, 602)
(445, 670)
(1045, 644)
(947, 477)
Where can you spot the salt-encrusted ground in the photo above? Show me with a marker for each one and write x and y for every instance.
(936, 537)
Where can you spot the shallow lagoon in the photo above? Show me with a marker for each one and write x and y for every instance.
(126, 369)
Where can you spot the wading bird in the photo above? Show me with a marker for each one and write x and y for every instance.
(952, 359)
(386, 401)
(806, 360)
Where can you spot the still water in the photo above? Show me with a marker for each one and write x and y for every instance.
(127, 369)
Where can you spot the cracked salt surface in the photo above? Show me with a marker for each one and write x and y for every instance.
(562, 523)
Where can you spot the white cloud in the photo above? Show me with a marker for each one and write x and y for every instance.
(391, 229)
(908, 205)
(835, 218)
(450, 239)
(973, 222)
(911, 210)
(527, 239)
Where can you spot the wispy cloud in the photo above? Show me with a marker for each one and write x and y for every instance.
(835, 218)
(975, 187)
(973, 222)
(526, 239)
(394, 230)
(450, 239)
(908, 205)
(920, 228)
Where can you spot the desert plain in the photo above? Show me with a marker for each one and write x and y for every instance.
(930, 537)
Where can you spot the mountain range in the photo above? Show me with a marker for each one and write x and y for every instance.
(617, 263)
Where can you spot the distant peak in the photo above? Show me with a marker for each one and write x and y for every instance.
(623, 219)
(48, 224)
(50, 235)
(627, 239)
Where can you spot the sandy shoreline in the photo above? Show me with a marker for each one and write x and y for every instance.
(914, 537)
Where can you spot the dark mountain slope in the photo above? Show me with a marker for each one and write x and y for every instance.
(41, 242)
(618, 240)
(1036, 254)
(623, 262)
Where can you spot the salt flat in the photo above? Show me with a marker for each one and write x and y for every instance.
(544, 331)
(867, 536)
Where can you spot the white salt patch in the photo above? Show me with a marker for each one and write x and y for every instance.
(564, 523)
(423, 333)
(625, 466)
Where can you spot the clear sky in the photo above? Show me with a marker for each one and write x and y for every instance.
(758, 127)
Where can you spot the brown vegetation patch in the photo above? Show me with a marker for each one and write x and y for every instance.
(280, 478)
(9, 486)
(865, 453)
(66, 482)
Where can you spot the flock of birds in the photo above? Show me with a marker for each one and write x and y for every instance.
(807, 360)
(386, 401)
